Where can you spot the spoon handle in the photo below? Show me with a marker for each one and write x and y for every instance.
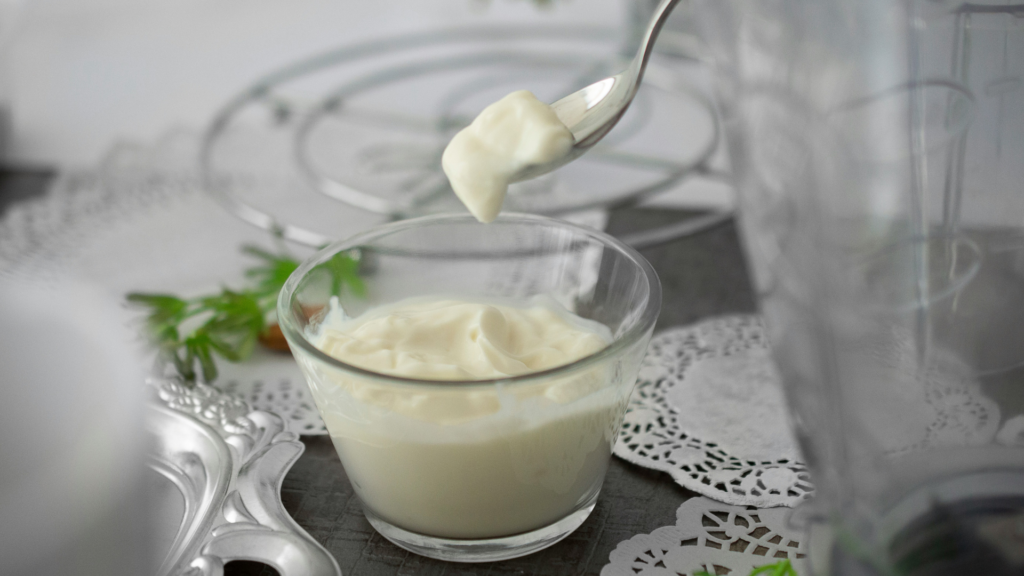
(643, 54)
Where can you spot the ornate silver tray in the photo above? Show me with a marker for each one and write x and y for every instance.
(219, 467)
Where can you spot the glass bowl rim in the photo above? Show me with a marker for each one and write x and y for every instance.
(645, 323)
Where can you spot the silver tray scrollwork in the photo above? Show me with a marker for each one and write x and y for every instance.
(219, 467)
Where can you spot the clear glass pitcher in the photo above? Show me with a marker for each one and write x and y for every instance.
(878, 146)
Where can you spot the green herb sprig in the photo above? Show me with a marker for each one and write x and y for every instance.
(189, 332)
(783, 568)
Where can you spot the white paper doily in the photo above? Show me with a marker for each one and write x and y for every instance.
(940, 405)
(271, 381)
(710, 536)
(708, 409)
(1012, 432)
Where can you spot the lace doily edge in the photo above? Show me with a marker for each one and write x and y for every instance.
(684, 480)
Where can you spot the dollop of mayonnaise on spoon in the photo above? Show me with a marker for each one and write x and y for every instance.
(517, 131)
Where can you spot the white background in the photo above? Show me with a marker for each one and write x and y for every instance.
(82, 74)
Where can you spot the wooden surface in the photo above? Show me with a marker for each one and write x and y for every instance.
(702, 276)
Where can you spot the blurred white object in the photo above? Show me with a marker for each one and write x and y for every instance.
(90, 72)
(71, 441)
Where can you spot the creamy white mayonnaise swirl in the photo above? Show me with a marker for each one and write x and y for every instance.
(515, 132)
(443, 339)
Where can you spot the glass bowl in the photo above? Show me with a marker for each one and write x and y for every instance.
(477, 470)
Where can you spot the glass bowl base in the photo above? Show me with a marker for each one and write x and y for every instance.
(484, 549)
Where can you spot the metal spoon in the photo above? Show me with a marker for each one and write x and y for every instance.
(592, 112)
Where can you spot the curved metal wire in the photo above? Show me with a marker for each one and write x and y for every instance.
(222, 193)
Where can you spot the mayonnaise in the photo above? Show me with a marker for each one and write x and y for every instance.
(515, 132)
(454, 459)
(442, 339)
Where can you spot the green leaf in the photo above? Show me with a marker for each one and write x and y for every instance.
(235, 325)
(783, 568)
(197, 346)
(232, 321)
(344, 271)
(202, 353)
(184, 364)
(273, 273)
(162, 307)
(156, 300)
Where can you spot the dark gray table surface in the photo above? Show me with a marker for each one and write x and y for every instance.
(702, 276)
(18, 184)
